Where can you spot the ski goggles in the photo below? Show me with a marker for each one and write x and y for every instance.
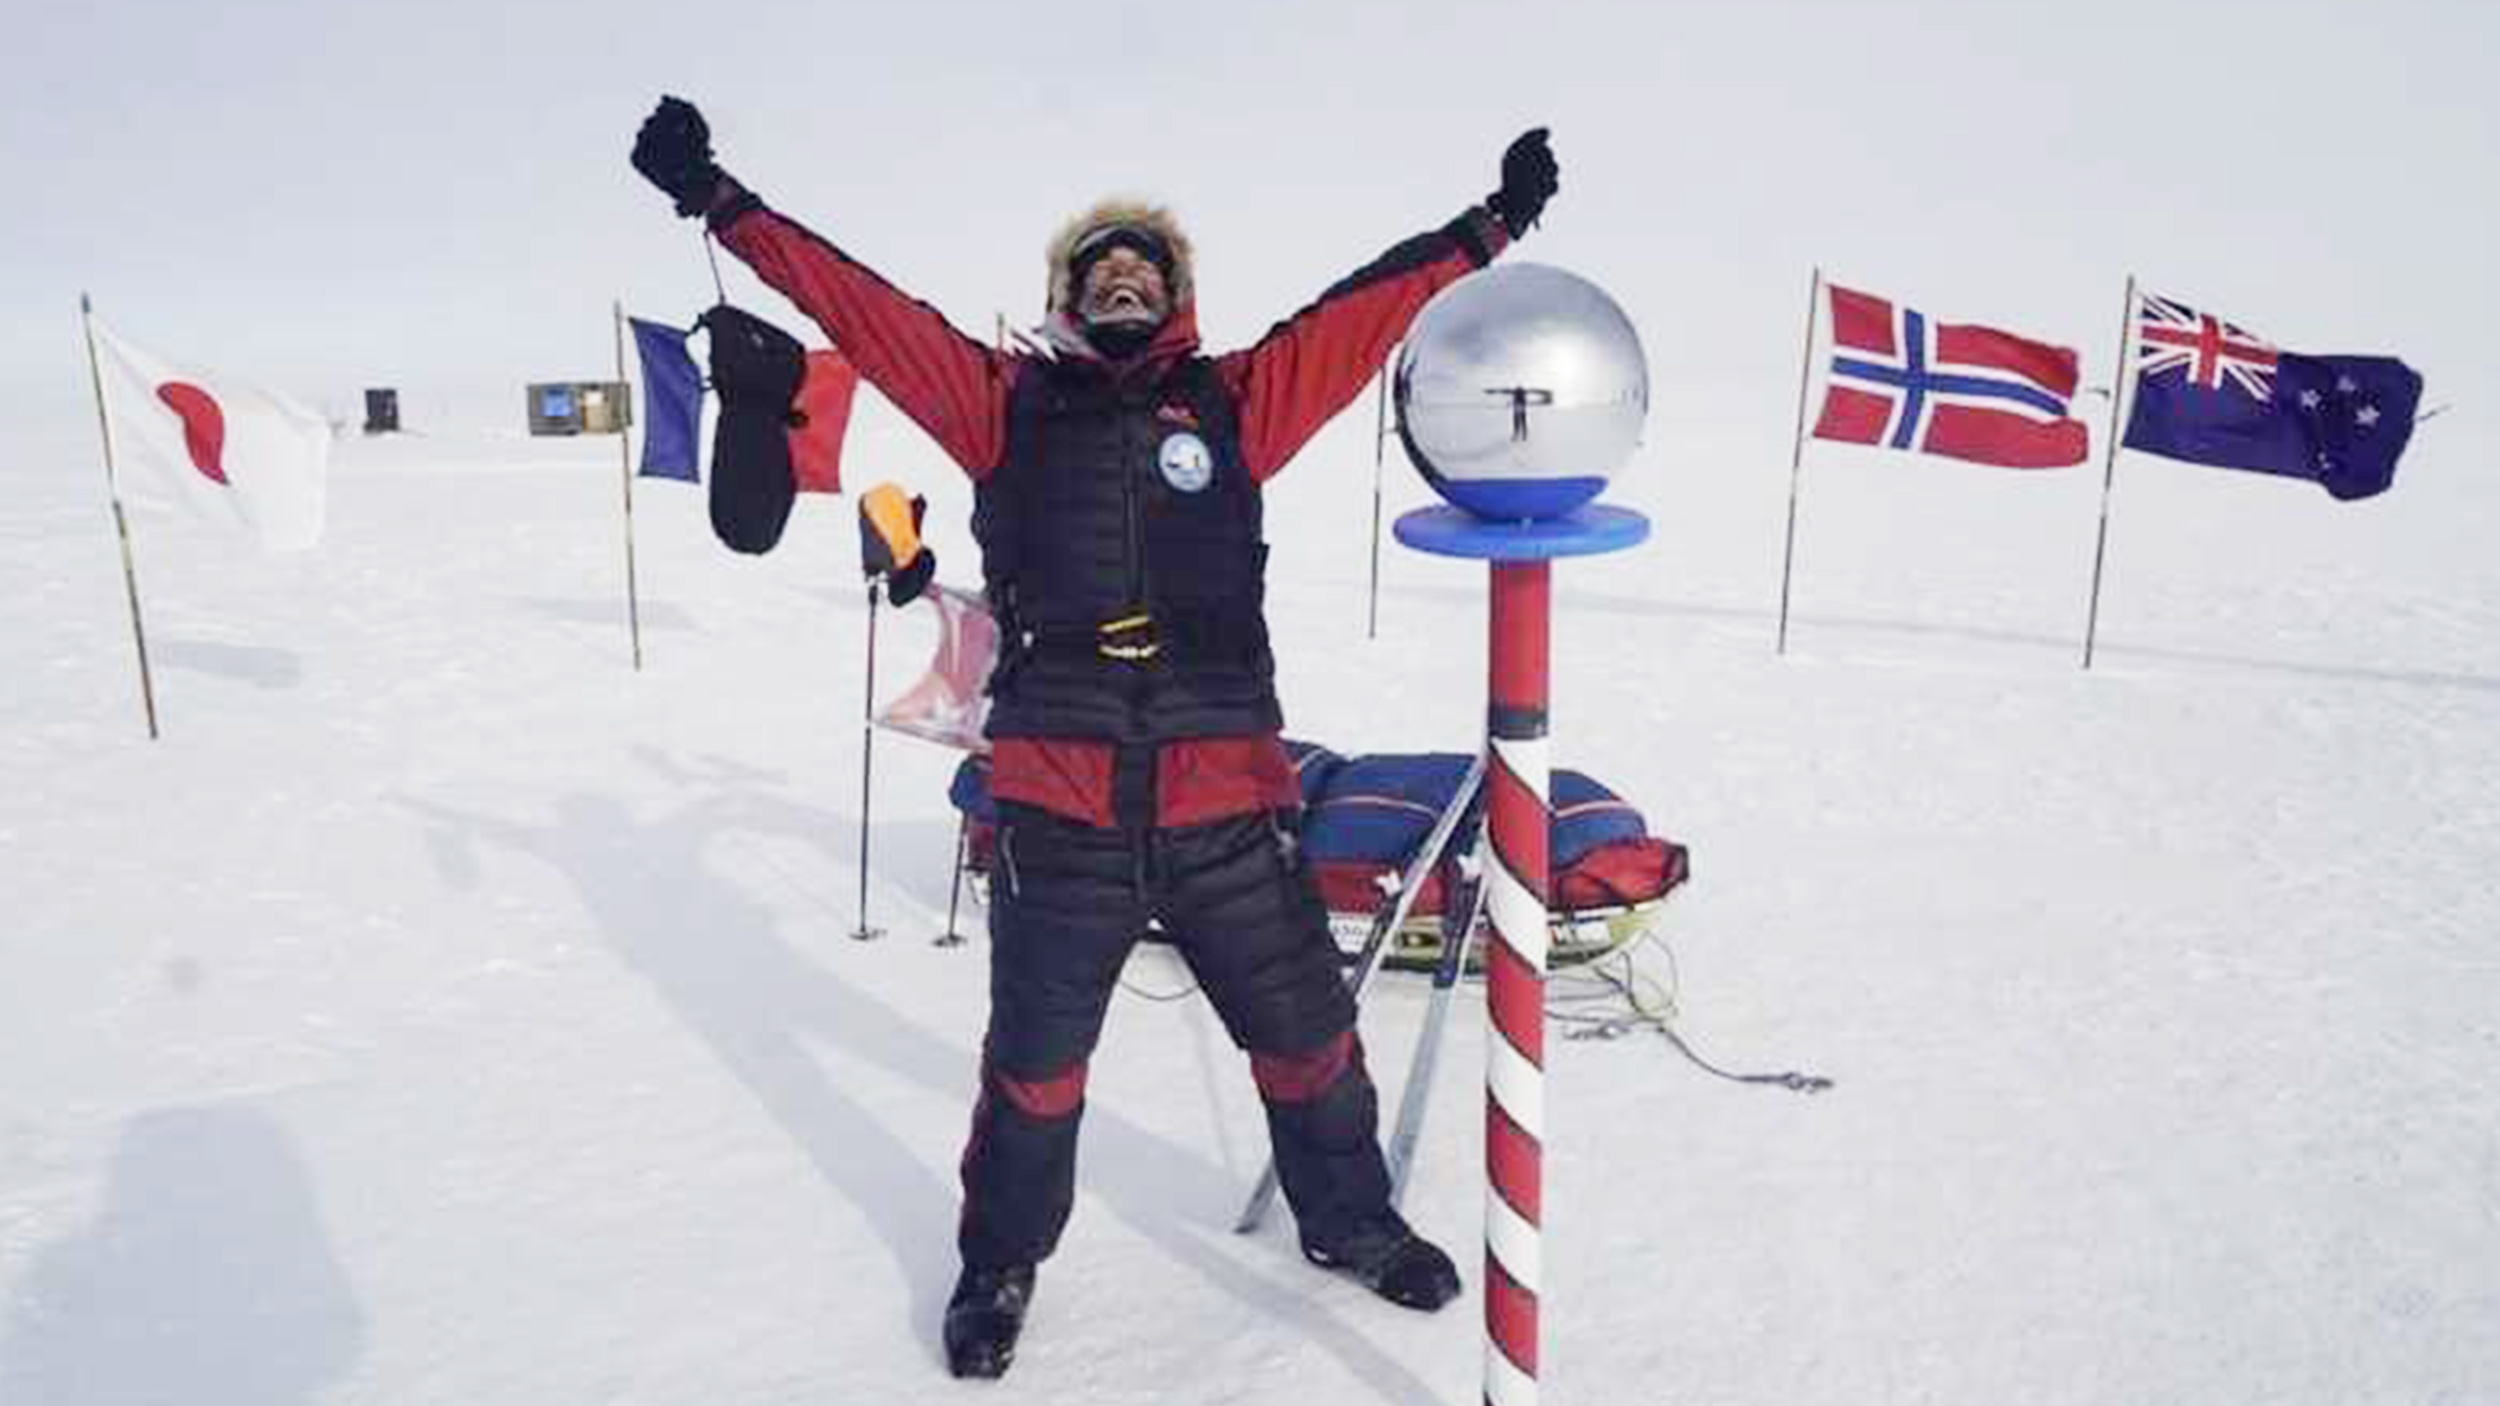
(1145, 243)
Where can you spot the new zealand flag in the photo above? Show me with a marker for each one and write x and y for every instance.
(1956, 389)
(2209, 392)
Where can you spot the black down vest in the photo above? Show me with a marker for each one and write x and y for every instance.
(1121, 551)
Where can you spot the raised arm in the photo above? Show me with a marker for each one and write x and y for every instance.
(1310, 366)
(951, 386)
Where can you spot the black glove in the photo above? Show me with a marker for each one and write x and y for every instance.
(1529, 179)
(890, 545)
(674, 152)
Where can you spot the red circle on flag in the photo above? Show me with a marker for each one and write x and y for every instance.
(203, 426)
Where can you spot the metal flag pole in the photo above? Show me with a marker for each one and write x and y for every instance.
(2118, 400)
(1797, 451)
(867, 762)
(625, 463)
(1380, 442)
(121, 521)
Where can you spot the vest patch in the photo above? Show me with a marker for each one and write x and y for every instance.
(1185, 462)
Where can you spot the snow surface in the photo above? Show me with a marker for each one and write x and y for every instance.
(444, 1012)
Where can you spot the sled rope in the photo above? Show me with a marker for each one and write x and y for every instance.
(1653, 1008)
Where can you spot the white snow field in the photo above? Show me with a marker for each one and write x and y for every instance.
(444, 1012)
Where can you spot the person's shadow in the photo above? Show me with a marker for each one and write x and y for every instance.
(205, 1278)
(712, 953)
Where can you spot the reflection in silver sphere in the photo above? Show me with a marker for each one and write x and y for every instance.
(1521, 389)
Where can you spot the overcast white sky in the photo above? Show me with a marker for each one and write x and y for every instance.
(329, 196)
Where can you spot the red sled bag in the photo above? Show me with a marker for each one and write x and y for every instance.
(1363, 817)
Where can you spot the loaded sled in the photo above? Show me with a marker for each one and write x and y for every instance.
(1365, 819)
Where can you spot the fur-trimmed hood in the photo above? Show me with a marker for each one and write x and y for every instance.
(1124, 210)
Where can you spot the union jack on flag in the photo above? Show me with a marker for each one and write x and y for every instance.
(2172, 334)
(1956, 389)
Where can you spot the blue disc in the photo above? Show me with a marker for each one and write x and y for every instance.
(1514, 499)
(1586, 532)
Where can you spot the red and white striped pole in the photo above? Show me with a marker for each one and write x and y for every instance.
(1546, 356)
(1520, 824)
(1518, 878)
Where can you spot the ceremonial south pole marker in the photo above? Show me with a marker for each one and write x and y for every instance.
(1520, 391)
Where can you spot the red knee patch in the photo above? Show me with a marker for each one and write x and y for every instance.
(1303, 1077)
(1055, 1097)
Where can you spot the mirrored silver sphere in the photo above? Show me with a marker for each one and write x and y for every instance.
(1521, 390)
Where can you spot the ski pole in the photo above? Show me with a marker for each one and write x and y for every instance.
(955, 893)
(1455, 945)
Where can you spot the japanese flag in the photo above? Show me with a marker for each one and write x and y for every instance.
(223, 449)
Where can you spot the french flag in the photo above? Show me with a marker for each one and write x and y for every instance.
(1955, 389)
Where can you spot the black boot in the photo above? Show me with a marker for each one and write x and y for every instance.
(1386, 1256)
(983, 1318)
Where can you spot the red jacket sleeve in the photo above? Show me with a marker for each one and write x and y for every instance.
(1311, 365)
(948, 384)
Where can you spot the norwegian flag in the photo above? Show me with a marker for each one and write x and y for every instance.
(1955, 389)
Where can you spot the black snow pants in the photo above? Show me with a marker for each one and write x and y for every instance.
(1067, 903)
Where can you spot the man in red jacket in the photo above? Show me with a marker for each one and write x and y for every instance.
(1135, 730)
